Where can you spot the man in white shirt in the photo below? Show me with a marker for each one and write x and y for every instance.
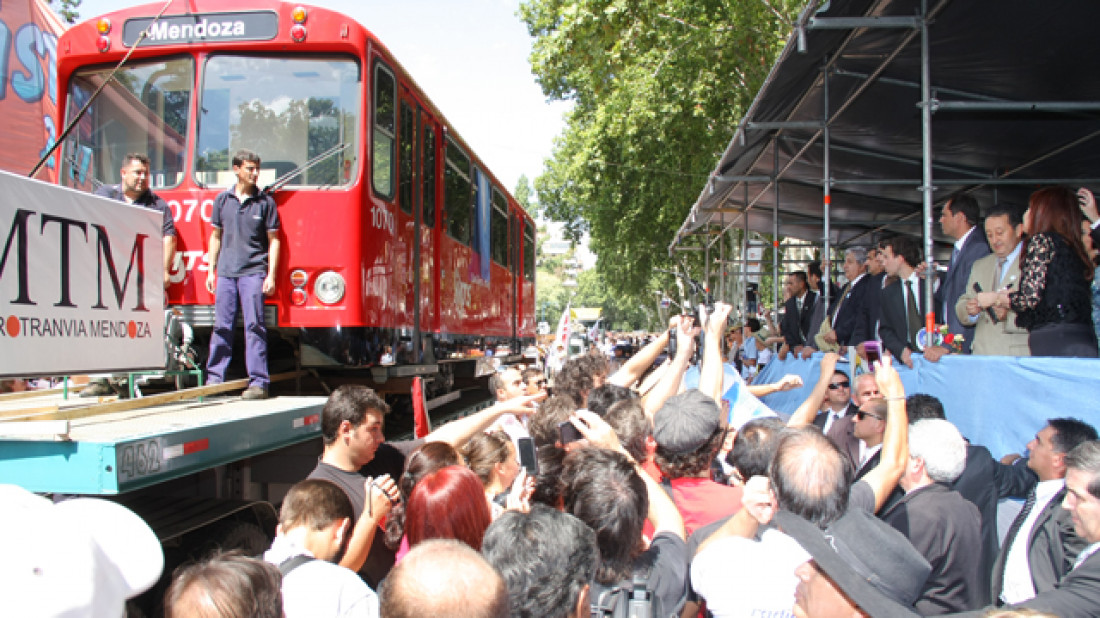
(1041, 545)
(314, 521)
(903, 307)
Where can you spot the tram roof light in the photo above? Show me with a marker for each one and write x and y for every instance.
(299, 15)
(103, 44)
(298, 33)
(103, 26)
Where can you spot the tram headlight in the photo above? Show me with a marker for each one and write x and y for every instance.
(329, 287)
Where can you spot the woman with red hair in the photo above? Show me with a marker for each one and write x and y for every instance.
(1054, 299)
(448, 504)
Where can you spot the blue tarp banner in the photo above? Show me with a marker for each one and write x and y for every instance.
(1000, 402)
(737, 403)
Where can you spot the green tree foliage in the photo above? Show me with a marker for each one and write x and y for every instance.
(658, 86)
(67, 9)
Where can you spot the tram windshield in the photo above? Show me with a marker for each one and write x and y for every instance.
(142, 110)
(290, 111)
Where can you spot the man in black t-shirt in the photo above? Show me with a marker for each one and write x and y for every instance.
(355, 451)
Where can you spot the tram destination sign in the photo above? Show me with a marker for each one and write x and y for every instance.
(202, 28)
(80, 282)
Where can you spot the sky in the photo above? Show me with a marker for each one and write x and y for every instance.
(470, 58)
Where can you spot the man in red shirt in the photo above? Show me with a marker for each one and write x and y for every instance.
(689, 432)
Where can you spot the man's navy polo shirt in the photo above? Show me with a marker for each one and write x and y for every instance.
(148, 199)
(244, 232)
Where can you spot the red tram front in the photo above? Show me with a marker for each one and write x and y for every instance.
(395, 234)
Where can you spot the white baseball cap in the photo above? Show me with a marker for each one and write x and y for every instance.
(79, 557)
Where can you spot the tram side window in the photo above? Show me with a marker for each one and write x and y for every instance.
(143, 109)
(405, 186)
(498, 229)
(300, 114)
(429, 176)
(529, 251)
(458, 193)
(385, 128)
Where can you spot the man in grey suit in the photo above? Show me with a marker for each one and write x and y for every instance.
(995, 330)
(1078, 592)
(1042, 545)
(959, 220)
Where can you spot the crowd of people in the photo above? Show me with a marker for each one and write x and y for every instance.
(621, 492)
(643, 500)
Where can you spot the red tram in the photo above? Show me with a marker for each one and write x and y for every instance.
(395, 234)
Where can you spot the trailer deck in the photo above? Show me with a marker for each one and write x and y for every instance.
(120, 451)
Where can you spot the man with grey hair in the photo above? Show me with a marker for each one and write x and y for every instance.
(850, 321)
(444, 578)
(942, 525)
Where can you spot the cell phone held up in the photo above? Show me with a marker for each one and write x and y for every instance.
(528, 458)
(873, 350)
(568, 432)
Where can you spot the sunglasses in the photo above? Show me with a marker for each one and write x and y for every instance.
(836, 385)
(862, 415)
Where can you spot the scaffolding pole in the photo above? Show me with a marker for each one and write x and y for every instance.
(926, 152)
(775, 231)
(826, 187)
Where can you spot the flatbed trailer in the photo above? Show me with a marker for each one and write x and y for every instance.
(118, 452)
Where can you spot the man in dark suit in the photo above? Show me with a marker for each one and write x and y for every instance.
(850, 319)
(903, 304)
(836, 421)
(1042, 545)
(1078, 592)
(984, 481)
(798, 311)
(959, 220)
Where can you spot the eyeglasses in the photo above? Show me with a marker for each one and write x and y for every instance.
(862, 415)
(836, 385)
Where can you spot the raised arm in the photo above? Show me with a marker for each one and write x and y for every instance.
(663, 514)
(632, 370)
(669, 384)
(806, 412)
(895, 442)
(711, 374)
(458, 432)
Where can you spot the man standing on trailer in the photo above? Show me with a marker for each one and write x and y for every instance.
(246, 224)
(134, 189)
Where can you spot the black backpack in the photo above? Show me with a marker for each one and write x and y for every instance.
(630, 598)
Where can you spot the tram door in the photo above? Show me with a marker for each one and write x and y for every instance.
(417, 201)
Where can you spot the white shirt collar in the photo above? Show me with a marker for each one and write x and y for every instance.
(962, 241)
(1011, 257)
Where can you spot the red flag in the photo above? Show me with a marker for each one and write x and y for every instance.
(422, 425)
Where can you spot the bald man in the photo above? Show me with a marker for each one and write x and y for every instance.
(444, 578)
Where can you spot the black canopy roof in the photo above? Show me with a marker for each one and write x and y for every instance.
(1015, 89)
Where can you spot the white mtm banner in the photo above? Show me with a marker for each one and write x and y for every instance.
(81, 287)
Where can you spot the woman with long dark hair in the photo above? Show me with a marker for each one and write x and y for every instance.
(1054, 299)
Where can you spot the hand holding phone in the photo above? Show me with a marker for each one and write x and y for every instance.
(568, 432)
(528, 458)
(873, 350)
